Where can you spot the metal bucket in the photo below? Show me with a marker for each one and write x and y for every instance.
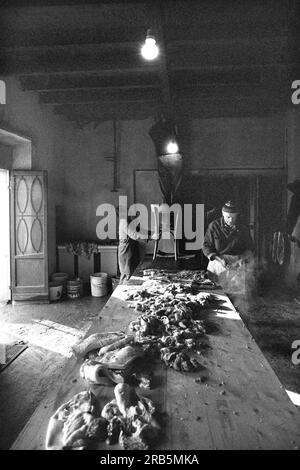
(55, 291)
(62, 278)
(99, 284)
(74, 288)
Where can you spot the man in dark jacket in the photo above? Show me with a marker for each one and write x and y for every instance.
(227, 244)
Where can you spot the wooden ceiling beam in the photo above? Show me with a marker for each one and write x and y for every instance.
(233, 67)
(103, 73)
(76, 47)
(81, 35)
(117, 89)
(265, 93)
(196, 29)
(48, 3)
(222, 32)
(143, 77)
(104, 112)
(43, 65)
(77, 59)
(93, 96)
(52, 82)
(202, 109)
(241, 40)
(111, 46)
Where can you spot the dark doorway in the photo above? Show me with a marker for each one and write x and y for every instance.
(260, 197)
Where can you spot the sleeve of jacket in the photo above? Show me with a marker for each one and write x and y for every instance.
(209, 248)
(248, 242)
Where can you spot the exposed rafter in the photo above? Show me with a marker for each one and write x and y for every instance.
(183, 109)
(90, 80)
(104, 95)
(83, 58)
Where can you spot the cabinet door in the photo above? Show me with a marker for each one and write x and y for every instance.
(29, 254)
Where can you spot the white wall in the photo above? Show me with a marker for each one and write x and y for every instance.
(5, 157)
(209, 143)
(250, 142)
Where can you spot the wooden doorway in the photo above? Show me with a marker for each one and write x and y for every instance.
(29, 255)
(261, 198)
(5, 293)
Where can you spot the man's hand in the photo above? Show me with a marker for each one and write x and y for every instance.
(220, 260)
(237, 264)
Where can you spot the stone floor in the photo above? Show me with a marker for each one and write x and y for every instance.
(273, 320)
(50, 330)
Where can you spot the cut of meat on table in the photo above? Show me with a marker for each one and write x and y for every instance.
(131, 419)
(171, 323)
(95, 341)
(76, 424)
(201, 278)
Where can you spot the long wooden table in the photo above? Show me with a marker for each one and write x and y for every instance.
(239, 402)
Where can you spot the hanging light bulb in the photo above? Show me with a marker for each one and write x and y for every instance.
(172, 147)
(150, 50)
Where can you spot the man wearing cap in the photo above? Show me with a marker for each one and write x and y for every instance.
(227, 244)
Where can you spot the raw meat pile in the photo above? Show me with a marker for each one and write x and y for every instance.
(76, 424)
(130, 419)
(197, 278)
(172, 322)
(127, 420)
